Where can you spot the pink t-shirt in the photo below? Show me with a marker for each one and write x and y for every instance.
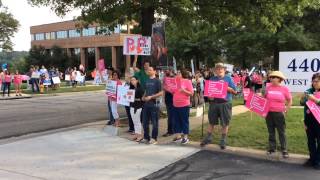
(17, 79)
(7, 78)
(181, 99)
(277, 96)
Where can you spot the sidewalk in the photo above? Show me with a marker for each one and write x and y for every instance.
(13, 96)
(196, 122)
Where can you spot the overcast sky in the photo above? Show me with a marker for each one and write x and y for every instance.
(30, 16)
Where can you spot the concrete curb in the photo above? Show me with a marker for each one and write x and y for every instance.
(24, 96)
(254, 153)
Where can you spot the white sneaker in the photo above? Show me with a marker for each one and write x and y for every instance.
(153, 141)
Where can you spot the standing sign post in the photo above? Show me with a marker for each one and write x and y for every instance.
(298, 67)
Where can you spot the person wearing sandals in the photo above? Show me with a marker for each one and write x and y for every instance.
(181, 104)
(311, 124)
(278, 96)
(17, 81)
(220, 108)
(136, 108)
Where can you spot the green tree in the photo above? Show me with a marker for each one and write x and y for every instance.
(112, 12)
(8, 26)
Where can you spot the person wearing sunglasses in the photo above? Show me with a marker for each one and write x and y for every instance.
(280, 100)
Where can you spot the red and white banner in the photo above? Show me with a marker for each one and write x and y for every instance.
(137, 45)
(111, 89)
(257, 104)
(215, 89)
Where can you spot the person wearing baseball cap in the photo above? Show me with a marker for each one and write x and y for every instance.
(220, 108)
(280, 101)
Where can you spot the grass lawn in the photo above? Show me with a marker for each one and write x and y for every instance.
(70, 89)
(245, 132)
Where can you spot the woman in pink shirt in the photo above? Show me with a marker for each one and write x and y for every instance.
(278, 96)
(181, 105)
(6, 82)
(17, 81)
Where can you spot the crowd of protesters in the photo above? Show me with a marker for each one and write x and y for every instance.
(39, 80)
(149, 85)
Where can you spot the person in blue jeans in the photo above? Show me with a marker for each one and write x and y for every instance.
(150, 110)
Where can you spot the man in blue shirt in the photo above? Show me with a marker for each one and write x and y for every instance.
(220, 108)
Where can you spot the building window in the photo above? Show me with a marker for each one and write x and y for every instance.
(48, 36)
(32, 37)
(74, 33)
(89, 31)
(53, 35)
(39, 36)
(62, 34)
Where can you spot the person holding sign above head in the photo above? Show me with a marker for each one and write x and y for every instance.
(278, 96)
(150, 110)
(312, 123)
(136, 108)
(181, 104)
(220, 108)
(141, 74)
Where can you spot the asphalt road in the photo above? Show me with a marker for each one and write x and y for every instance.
(207, 165)
(24, 116)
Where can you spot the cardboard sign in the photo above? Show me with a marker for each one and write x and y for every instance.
(125, 95)
(56, 80)
(35, 75)
(314, 108)
(171, 83)
(257, 104)
(79, 78)
(47, 82)
(25, 78)
(137, 45)
(111, 88)
(246, 92)
(101, 65)
(215, 89)
(67, 77)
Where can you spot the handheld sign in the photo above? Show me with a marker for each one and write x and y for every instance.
(137, 45)
(257, 104)
(125, 95)
(56, 80)
(111, 88)
(215, 89)
(171, 84)
(246, 92)
(314, 108)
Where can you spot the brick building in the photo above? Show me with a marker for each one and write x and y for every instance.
(86, 43)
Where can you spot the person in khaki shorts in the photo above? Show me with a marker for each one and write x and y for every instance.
(220, 108)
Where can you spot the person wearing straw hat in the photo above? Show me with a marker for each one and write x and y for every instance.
(220, 108)
(278, 96)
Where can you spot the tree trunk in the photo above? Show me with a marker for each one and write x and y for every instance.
(147, 19)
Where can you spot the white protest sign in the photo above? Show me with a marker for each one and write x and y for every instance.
(192, 66)
(67, 77)
(137, 45)
(125, 95)
(56, 80)
(111, 88)
(298, 67)
(229, 67)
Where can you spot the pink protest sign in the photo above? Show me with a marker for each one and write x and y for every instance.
(101, 66)
(236, 79)
(246, 92)
(257, 104)
(171, 84)
(314, 108)
(215, 89)
(24, 77)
